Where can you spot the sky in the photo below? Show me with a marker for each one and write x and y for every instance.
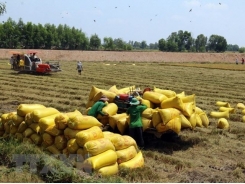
(136, 20)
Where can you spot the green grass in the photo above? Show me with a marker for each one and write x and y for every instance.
(196, 157)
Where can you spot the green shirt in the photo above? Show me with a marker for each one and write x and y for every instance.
(135, 112)
(97, 109)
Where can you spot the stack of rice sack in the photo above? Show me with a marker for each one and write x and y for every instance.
(223, 114)
(242, 107)
(128, 154)
(111, 108)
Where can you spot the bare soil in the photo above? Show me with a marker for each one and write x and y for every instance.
(157, 56)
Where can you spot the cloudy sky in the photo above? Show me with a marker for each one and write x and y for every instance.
(137, 20)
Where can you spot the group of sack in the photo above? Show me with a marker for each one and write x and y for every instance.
(224, 111)
(166, 110)
(72, 133)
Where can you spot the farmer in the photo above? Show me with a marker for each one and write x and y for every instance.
(79, 67)
(236, 61)
(11, 61)
(96, 109)
(136, 126)
(242, 60)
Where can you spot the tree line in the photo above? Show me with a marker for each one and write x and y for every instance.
(17, 35)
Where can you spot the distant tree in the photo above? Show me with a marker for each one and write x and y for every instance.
(95, 42)
(143, 45)
(136, 45)
(108, 43)
(201, 43)
(162, 45)
(242, 50)
(231, 47)
(153, 46)
(119, 44)
(217, 43)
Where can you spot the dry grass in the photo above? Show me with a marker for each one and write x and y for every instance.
(199, 155)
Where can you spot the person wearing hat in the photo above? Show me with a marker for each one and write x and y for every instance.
(136, 125)
(96, 109)
(79, 67)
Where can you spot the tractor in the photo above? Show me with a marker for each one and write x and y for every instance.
(30, 63)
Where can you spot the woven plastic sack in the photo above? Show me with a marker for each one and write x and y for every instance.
(41, 113)
(167, 93)
(114, 118)
(72, 146)
(23, 109)
(168, 114)
(109, 170)
(48, 139)
(81, 122)
(136, 162)
(224, 114)
(154, 97)
(47, 121)
(125, 155)
(174, 102)
(223, 123)
(70, 133)
(174, 125)
(60, 142)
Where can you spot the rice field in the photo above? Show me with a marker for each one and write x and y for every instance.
(199, 155)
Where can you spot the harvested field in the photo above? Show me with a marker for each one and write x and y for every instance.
(199, 155)
(157, 56)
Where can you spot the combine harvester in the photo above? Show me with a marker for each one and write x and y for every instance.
(31, 64)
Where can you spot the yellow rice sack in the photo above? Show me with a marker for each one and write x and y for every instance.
(28, 119)
(198, 121)
(182, 94)
(174, 102)
(106, 158)
(240, 106)
(9, 117)
(114, 89)
(148, 103)
(110, 95)
(114, 118)
(23, 109)
(27, 140)
(81, 122)
(61, 121)
(4, 117)
(48, 139)
(95, 147)
(125, 155)
(13, 129)
(224, 114)
(47, 121)
(188, 108)
(35, 127)
(243, 118)
(107, 134)
(230, 109)
(37, 139)
(204, 118)
(123, 142)
(89, 104)
(73, 114)
(122, 124)
(198, 110)
(147, 123)
(72, 146)
(109, 170)
(28, 132)
(136, 162)
(22, 127)
(70, 133)
(189, 98)
(52, 130)
(185, 123)
(126, 90)
(168, 114)
(16, 119)
(154, 97)
(174, 125)
(60, 142)
(52, 149)
(92, 133)
(167, 93)
(156, 118)
(110, 108)
(147, 113)
(41, 113)
(193, 120)
(223, 123)
(19, 137)
(222, 104)
(6, 127)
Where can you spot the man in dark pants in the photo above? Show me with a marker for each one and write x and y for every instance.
(136, 126)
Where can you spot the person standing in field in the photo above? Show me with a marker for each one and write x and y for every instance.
(79, 67)
(96, 109)
(136, 125)
(242, 60)
(11, 61)
(236, 61)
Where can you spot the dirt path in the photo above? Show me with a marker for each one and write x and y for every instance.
(64, 55)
